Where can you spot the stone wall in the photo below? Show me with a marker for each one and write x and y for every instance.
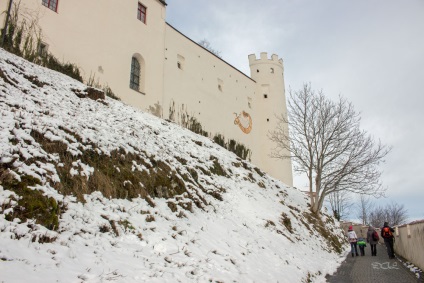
(409, 242)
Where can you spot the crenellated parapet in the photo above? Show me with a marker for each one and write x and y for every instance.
(263, 65)
(263, 58)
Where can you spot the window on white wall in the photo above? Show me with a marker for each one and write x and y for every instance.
(135, 74)
(138, 73)
(180, 62)
(142, 12)
(220, 85)
(51, 4)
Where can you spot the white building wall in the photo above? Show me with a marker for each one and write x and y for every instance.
(101, 36)
(271, 102)
(210, 89)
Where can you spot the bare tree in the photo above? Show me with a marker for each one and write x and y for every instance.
(207, 45)
(398, 214)
(340, 203)
(364, 208)
(394, 213)
(377, 217)
(326, 144)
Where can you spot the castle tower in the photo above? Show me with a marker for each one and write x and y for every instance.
(269, 101)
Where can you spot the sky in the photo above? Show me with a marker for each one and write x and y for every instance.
(238, 238)
(370, 52)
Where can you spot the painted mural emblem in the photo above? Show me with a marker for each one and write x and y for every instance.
(244, 121)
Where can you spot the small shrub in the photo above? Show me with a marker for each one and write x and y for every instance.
(181, 214)
(269, 223)
(23, 38)
(172, 206)
(108, 91)
(332, 240)
(286, 222)
(219, 139)
(126, 225)
(217, 168)
(150, 218)
(32, 204)
(114, 228)
(260, 173)
(186, 205)
(45, 238)
(104, 228)
(293, 208)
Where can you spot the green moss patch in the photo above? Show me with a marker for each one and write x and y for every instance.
(32, 204)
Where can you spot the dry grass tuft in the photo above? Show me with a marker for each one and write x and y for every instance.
(115, 175)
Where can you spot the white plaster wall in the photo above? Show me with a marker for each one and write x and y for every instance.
(195, 86)
(103, 35)
(268, 72)
(409, 242)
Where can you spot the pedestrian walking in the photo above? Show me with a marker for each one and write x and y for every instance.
(351, 236)
(372, 239)
(362, 244)
(387, 234)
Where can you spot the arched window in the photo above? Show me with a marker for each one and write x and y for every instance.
(138, 73)
(135, 74)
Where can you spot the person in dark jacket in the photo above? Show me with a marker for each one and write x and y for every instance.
(372, 240)
(387, 234)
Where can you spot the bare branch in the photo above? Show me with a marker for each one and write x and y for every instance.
(327, 145)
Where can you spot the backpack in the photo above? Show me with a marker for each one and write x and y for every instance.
(375, 236)
(387, 233)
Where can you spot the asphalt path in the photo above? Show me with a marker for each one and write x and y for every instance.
(375, 269)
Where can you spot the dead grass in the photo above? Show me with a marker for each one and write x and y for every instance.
(32, 204)
(332, 240)
(115, 175)
(285, 220)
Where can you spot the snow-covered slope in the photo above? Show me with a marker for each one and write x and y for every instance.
(218, 219)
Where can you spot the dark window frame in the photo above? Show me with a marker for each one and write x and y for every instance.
(142, 13)
(51, 4)
(135, 74)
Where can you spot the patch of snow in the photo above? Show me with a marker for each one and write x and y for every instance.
(239, 239)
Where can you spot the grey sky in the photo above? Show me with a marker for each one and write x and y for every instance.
(369, 51)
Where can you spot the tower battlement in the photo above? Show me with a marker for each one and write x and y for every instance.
(263, 58)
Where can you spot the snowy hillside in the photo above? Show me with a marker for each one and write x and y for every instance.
(92, 190)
